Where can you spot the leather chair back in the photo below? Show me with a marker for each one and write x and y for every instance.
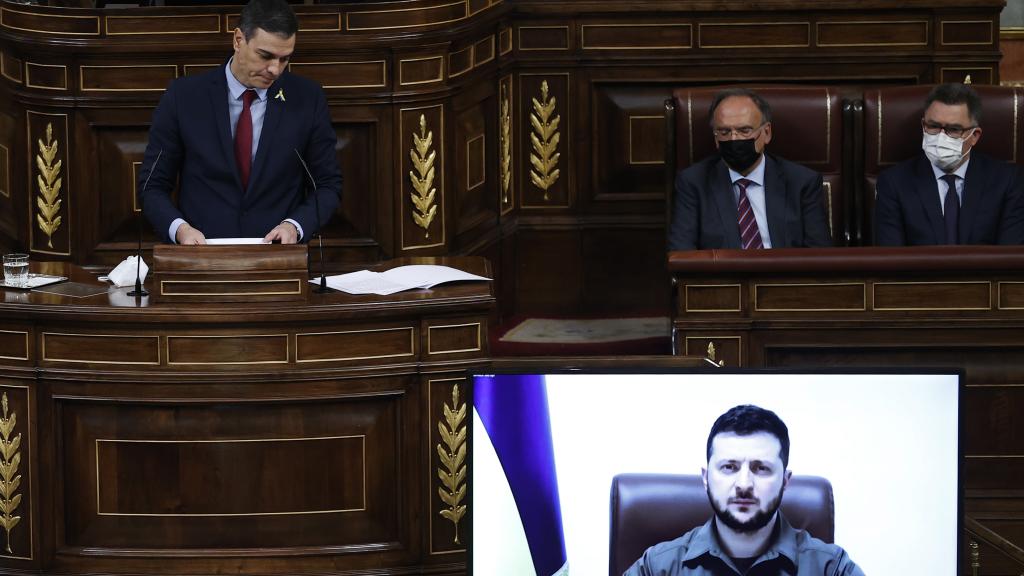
(892, 118)
(807, 128)
(650, 508)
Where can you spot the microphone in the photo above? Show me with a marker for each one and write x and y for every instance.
(316, 205)
(139, 291)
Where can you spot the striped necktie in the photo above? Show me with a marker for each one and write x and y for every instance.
(750, 236)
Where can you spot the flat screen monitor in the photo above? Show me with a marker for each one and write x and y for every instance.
(889, 443)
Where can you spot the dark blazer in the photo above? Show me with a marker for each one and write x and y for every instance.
(704, 211)
(191, 127)
(908, 212)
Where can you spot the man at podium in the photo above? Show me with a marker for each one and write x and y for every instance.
(235, 140)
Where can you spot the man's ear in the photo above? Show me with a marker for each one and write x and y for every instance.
(704, 477)
(767, 133)
(237, 38)
(786, 477)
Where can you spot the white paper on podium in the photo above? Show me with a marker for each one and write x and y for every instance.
(235, 241)
(397, 279)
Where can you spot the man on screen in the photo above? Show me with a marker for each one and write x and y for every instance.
(746, 475)
(232, 139)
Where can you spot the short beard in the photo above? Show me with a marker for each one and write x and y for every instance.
(758, 521)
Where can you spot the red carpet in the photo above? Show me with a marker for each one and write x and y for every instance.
(581, 337)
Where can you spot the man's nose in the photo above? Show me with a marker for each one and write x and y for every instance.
(743, 480)
(275, 67)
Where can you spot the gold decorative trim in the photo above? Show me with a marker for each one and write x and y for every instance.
(10, 480)
(3, 68)
(505, 143)
(2, 356)
(711, 339)
(361, 437)
(739, 297)
(489, 39)
(452, 470)
(584, 46)
(49, 182)
(633, 162)
(167, 350)
(117, 362)
(568, 38)
(452, 72)
(863, 295)
(135, 186)
(298, 287)
(967, 79)
(401, 130)
(401, 71)
(806, 44)
(544, 141)
(504, 41)
(712, 355)
(828, 206)
(423, 157)
(82, 69)
(994, 456)
(877, 284)
(879, 132)
(1011, 33)
(28, 76)
(335, 15)
(5, 10)
(483, 162)
(32, 229)
(348, 16)
(6, 191)
(942, 33)
(999, 296)
(523, 98)
(429, 478)
(162, 17)
(479, 345)
(411, 352)
(28, 470)
(817, 31)
(383, 70)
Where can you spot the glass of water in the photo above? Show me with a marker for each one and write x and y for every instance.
(16, 270)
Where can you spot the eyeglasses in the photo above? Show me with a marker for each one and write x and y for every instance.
(743, 132)
(951, 130)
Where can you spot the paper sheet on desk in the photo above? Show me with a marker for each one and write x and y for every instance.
(396, 279)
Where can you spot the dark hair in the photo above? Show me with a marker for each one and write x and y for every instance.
(274, 16)
(762, 104)
(954, 94)
(748, 419)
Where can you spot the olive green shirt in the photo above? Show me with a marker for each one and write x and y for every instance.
(792, 553)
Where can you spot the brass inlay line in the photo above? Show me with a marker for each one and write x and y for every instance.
(49, 182)
(6, 191)
(584, 46)
(505, 41)
(119, 362)
(806, 44)
(348, 16)
(287, 349)
(483, 162)
(383, 69)
(185, 67)
(298, 287)
(452, 470)
(877, 284)
(633, 162)
(135, 186)
(828, 204)
(478, 347)
(505, 143)
(994, 456)
(411, 352)
(452, 72)
(739, 297)
(739, 346)
(5, 10)
(424, 193)
(106, 25)
(361, 437)
(28, 76)
(942, 33)
(440, 71)
(878, 44)
(26, 345)
(999, 296)
(10, 480)
(82, 69)
(489, 58)
(863, 295)
(521, 28)
(337, 20)
(401, 130)
(544, 140)
(3, 68)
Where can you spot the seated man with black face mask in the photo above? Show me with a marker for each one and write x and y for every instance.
(950, 193)
(742, 197)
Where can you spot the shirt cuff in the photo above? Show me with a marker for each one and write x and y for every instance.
(173, 230)
(297, 228)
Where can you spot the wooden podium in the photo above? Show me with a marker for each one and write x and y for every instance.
(235, 273)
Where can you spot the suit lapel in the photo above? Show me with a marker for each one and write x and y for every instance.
(927, 190)
(271, 118)
(720, 188)
(974, 188)
(219, 102)
(775, 203)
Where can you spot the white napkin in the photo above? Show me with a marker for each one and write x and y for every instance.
(124, 273)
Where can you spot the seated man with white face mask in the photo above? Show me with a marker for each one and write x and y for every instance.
(951, 193)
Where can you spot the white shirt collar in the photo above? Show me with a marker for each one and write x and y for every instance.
(756, 176)
(236, 88)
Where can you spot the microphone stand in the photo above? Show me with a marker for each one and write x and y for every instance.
(322, 289)
(139, 291)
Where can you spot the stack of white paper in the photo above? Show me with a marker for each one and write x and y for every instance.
(397, 279)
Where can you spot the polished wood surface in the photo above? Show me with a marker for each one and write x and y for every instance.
(943, 307)
(251, 438)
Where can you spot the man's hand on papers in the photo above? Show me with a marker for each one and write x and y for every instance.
(285, 233)
(186, 234)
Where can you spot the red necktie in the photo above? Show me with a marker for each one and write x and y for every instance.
(750, 236)
(243, 138)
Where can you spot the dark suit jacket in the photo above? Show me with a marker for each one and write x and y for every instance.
(192, 127)
(908, 212)
(704, 211)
